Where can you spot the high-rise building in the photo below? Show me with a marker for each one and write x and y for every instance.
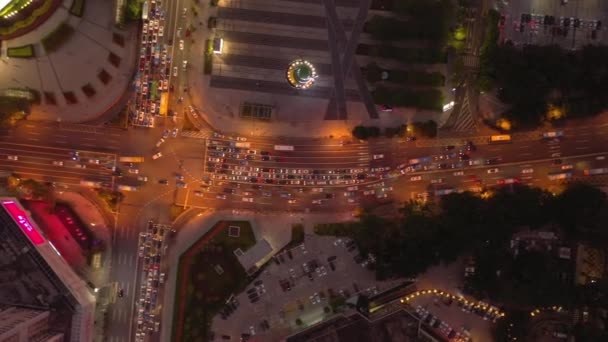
(19, 324)
(34, 275)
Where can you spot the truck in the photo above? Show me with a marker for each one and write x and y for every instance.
(131, 159)
(90, 184)
(123, 187)
(283, 148)
(240, 144)
(593, 172)
(420, 160)
(560, 175)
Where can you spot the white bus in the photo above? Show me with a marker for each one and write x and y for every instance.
(283, 148)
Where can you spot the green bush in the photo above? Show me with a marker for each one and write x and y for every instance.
(208, 65)
(26, 51)
(77, 8)
(297, 234)
(54, 40)
(366, 132)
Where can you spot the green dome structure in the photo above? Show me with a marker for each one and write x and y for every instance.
(301, 74)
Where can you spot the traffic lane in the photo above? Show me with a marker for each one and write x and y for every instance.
(73, 135)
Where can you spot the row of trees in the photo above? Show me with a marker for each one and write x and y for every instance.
(544, 82)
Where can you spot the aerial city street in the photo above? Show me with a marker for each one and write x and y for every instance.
(299, 170)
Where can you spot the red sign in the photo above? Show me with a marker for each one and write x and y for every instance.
(23, 222)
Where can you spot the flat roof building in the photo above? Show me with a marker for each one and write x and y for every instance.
(25, 325)
(33, 274)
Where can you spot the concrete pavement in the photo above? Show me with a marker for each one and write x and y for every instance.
(91, 50)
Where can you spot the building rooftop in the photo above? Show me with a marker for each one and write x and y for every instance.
(33, 273)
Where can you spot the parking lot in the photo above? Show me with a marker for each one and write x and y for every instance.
(297, 287)
(570, 24)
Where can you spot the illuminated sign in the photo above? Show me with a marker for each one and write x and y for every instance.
(23, 222)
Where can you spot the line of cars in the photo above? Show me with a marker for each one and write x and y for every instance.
(154, 70)
(151, 248)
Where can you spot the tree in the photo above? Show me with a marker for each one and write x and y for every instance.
(578, 209)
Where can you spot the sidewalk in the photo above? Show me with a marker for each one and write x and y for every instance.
(276, 229)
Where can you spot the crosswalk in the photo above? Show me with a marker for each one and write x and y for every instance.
(465, 121)
(196, 134)
(470, 61)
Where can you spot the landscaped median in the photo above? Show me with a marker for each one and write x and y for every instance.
(208, 274)
(26, 51)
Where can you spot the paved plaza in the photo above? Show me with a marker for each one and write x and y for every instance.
(261, 38)
(101, 55)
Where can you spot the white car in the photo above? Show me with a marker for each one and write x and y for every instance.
(416, 178)
(58, 163)
(567, 167)
(184, 64)
(80, 166)
(142, 178)
(291, 201)
(181, 44)
(13, 158)
(198, 194)
(437, 181)
(221, 196)
(94, 161)
(248, 199)
(174, 71)
(160, 142)
(134, 171)
(160, 31)
(378, 156)
(494, 170)
(527, 171)
(459, 173)
(156, 156)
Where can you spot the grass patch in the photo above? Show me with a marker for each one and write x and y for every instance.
(208, 67)
(26, 51)
(54, 40)
(205, 289)
(77, 8)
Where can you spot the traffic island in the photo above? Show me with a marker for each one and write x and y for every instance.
(209, 273)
